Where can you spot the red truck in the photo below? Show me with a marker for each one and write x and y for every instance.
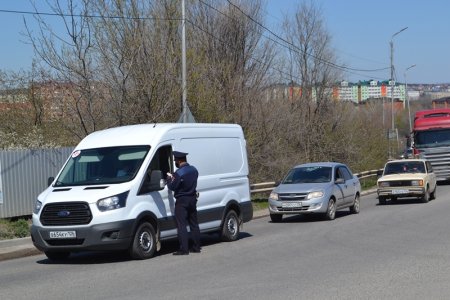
(431, 139)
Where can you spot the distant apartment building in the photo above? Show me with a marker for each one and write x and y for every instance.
(365, 90)
(343, 91)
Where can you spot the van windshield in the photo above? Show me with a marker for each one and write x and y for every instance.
(102, 165)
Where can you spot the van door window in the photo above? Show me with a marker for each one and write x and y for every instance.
(162, 161)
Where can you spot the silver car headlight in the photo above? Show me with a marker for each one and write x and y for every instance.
(113, 202)
(37, 206)
(317, 194)
(273, 196)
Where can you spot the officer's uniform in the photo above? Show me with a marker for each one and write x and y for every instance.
(184, 184)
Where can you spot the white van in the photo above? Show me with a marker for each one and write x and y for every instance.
(111, 192)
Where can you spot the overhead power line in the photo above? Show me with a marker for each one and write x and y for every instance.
(297, 49)
(84, 15)
(289, 76)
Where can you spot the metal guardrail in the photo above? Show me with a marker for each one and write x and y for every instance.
(269, 186)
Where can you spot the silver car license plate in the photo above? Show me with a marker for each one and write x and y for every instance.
(63, 234)
(291, 204)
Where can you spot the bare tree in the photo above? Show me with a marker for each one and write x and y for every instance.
(72, 60)
(233, 59)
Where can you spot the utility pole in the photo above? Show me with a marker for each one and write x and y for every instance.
(183, 61)
(407, 98)
(392, 82)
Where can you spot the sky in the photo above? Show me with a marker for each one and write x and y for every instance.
(361, 32)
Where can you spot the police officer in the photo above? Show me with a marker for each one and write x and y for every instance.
(184, 183)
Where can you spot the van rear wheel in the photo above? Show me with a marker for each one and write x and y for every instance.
(230, 227)
(144, 242)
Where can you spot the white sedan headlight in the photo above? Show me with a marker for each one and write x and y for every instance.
(417, 182)
(383, 184)
(312, 195)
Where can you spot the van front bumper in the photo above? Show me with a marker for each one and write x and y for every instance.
(109, 236)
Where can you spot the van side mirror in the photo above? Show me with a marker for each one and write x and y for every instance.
(50, 180)
(157, 181)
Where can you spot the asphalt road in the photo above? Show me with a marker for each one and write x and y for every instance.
(399, 251)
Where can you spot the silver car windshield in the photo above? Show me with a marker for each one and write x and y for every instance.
(102, 166)
(308, 175)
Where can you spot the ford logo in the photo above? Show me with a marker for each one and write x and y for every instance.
(63, 213)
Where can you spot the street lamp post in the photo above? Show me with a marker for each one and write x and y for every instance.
(392, 83)
(407, 98)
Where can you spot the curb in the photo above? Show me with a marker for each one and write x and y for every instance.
(16, 248)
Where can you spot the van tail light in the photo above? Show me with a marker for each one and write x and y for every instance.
(416, 152)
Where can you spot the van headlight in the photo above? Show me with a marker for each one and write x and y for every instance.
(273, 196)
(317, 194)
(113, 202)
(37, 207)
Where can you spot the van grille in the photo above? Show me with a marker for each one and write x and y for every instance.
(65, 214)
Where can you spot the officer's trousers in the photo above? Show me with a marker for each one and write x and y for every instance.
(186, 214)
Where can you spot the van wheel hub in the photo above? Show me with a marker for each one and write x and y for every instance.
(145, 241)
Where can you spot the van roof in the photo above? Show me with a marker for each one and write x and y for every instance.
(141, 134)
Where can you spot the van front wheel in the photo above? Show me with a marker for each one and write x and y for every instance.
(230, 227)
(144, 242)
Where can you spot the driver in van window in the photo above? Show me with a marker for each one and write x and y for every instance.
(125, 169)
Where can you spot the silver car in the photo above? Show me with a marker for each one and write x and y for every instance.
(322, 187)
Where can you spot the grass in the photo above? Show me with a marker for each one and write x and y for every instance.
(260, 201)
(368, 183)
(14, 228)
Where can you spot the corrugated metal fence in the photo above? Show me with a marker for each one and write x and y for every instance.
(23, 176)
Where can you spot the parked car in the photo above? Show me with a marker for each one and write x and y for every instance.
(407, 178)
(322, 187)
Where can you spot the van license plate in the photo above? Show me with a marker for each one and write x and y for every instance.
(291, 204)
(63, 234)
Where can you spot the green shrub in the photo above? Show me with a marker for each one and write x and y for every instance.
(21, 228)
(10, 229)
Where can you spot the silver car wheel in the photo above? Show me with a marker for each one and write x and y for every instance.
(355, 207)
(331, 210)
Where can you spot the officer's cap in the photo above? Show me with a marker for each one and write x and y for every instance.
(178, 154)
